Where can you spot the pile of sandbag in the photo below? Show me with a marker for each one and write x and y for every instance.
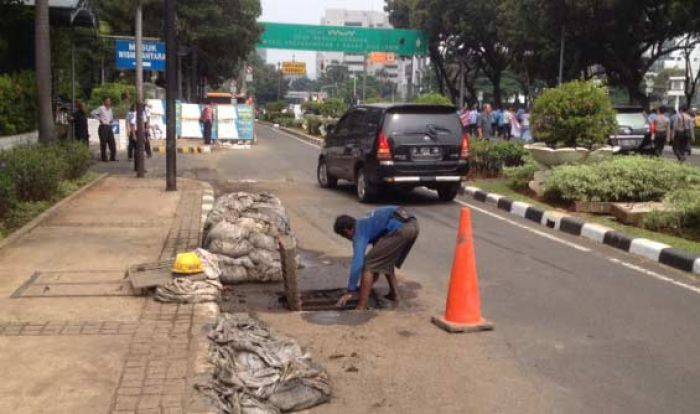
(242, 231)
(258, 371)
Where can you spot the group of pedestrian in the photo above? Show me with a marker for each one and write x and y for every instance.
(105, 116)
(674, 127)
(503, 123)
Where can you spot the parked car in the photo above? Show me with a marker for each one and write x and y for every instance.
(396, 145)
(634, 133)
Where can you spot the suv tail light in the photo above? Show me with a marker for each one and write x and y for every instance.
(383, 148)
(464, 151)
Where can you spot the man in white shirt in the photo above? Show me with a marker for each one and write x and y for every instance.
(106, 117)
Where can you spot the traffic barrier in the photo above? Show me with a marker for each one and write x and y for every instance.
(463, 307)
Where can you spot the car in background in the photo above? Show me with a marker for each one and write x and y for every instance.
(634, 134)
(396, 145)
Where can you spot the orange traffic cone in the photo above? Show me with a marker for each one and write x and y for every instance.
(463, 313)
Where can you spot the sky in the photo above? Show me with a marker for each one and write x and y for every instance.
(306, 12)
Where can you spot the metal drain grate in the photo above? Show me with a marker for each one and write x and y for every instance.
(67, 284)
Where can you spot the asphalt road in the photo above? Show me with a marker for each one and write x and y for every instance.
(608, 332)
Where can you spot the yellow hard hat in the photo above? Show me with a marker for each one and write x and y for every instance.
(188, 264)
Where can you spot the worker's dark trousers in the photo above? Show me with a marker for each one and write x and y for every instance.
(207, 133)
(680, 145)
(107, 139)
(660, 143)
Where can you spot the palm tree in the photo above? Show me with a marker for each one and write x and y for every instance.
(43, 70)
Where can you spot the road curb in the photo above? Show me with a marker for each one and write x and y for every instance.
(649, 249)
(301, 135)
(48, 213)
(190, 149)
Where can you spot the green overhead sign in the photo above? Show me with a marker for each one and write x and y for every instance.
(344, 39)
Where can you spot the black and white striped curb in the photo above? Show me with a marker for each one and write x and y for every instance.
(658, 252)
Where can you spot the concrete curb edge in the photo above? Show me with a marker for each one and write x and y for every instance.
(649, 249)
(27, 228)
(301, 135)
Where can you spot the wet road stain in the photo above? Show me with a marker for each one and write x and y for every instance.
(346, 318)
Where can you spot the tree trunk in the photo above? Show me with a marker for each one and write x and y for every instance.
(43, 71)
(636, 96)
(495, 79)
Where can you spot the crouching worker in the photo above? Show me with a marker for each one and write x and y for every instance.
(392, 232)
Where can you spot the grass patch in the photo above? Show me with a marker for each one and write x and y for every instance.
(24, 212)
(500, 186)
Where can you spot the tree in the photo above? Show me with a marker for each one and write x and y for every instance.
(43, 71)
(266, 81)
(224, 32)
(690, 71)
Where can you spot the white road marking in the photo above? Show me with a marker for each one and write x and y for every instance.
(522, 226)
(655, 275)
(298, 139)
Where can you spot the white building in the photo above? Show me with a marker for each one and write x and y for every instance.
(391, 69)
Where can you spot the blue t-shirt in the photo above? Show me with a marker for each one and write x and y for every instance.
(368, 230)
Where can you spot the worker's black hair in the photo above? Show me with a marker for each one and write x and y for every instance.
(343, 223)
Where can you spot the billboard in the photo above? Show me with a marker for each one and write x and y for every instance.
(294, 68)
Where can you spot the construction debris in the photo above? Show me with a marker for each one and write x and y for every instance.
(183, 290)
(242, 231)
(258, 371)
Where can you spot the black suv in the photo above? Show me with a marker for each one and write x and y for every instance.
(400, 145)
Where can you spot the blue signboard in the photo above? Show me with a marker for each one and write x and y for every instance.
(245, 122)
(153, 55)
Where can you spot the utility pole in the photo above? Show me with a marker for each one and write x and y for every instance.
(461, 85)
(171, 53)
(364, 78)
(561, 55)
(279, 81)
(72, 81)
(138, 157)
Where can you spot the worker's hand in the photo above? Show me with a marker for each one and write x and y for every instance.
(343, 301)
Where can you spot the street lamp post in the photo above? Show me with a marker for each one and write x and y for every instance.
(138, 157)
(171, 91)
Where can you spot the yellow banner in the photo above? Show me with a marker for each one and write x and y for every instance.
(294, 68)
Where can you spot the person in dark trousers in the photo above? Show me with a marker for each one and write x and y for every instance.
(80, 123)
(392, 231)
(106, 117)
(662, 125)
(207, 119)
(682, 131)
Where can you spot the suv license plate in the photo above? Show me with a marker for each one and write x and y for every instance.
(426, 153)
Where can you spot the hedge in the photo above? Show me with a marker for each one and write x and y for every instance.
(17, 103)
(121, 95)
(621, 179)
(433, 99)
(37, 170)
(684, 217)
(489, 158)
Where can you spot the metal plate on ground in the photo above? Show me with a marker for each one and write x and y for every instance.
(90, 283)
(150, 275)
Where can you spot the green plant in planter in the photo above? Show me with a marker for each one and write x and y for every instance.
(575, 114)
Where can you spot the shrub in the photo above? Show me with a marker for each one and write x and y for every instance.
(77, 159)
(35, 171)
(574, 114)
(519, 177)
(7, 194)
(683, 219)
(17, 103)
(121, 95)
(274, 108)
(334, 108)
(433, 99)
(489, 158)
(620, 179)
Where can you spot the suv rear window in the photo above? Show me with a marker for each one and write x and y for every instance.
(631, 120)
(401, 124)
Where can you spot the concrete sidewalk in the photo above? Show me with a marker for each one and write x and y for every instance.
(73, 337)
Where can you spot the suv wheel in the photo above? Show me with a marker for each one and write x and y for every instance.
(448, 192)
(366, 191)
(325, 180)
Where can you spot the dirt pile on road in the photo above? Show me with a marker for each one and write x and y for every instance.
(242, 231)
(261, 372)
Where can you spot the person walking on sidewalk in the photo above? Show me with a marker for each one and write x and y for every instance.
(681, 132)
(106, 117)
(207, 119)
(133, 131)
(662, 125)
(392, 231)
(485, 123)
(80, 123)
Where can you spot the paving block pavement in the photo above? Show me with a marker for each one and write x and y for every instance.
(73, 336)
